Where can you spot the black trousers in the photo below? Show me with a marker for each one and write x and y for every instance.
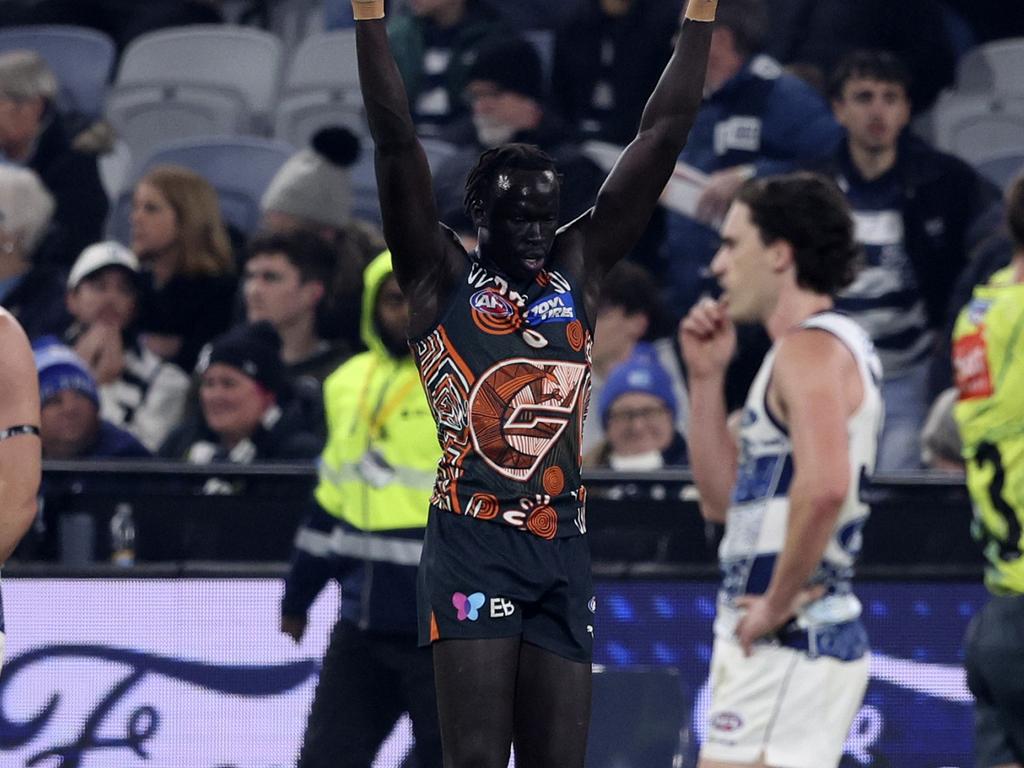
(368, 680)
(995, 674)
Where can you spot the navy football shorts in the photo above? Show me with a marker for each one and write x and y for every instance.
(479, 579)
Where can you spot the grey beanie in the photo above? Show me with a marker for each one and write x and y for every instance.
(314, 182)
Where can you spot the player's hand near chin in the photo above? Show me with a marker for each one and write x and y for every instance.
(707, 337)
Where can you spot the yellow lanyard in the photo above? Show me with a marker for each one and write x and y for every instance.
(384, 407)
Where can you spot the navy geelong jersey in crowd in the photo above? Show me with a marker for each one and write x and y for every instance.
(507, 375)
(885, 299)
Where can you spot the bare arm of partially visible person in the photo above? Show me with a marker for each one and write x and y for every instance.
(815, 387)
(20, 448)
(708, 340)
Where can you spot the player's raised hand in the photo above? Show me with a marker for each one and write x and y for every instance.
(707, 337)
(363, 10)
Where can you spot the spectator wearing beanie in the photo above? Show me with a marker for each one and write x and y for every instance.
(638, 410)
(70, 426)
(313, 192)
(247, 410)
(505, 91)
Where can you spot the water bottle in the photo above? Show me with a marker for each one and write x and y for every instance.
(122, 535)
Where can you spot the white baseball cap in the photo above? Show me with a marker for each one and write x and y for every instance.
(98, 256)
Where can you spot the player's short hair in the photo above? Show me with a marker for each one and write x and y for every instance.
(810, 213)
(523, 157)
(1015, 212)
(748, 22)
(310, 254)
(870, 65)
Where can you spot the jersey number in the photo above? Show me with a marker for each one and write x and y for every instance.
(1009, 545)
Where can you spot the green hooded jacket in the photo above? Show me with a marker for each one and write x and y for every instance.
(378, 467)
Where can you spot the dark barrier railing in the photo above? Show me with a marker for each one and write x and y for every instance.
(641, 524)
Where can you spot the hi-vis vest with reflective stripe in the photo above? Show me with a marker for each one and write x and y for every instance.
(378, 467)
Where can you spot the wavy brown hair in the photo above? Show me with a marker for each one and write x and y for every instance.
(203, 244)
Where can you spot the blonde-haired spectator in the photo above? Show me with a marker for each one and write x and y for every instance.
(189, 277)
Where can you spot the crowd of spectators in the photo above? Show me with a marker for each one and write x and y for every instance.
(197, 342)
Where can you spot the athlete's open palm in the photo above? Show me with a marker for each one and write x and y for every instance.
(707, 337)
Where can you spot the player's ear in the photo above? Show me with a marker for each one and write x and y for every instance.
(478, 213)
(781, 255)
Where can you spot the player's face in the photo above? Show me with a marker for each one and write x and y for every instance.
(233, 404)
(154, 223)
(107, 296)
(520, 225)
(873, 112)
(639, 423)
(274, 291)
(742, 267)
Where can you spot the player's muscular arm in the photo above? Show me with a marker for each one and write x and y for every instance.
(631, 191)
(407, 204)
(20, 455)
(815, 408)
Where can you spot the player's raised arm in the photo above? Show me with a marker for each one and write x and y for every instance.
(407, 203)
(631, 191)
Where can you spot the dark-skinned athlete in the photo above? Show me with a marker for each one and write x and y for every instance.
(502, 339)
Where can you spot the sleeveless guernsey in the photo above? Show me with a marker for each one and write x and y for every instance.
(757, 518)
(507, 376)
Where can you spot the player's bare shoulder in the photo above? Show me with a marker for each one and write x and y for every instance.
(813, 359)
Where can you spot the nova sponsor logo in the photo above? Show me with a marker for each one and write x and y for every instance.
(557, 308)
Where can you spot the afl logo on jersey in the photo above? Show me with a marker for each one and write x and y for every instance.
(492, 303)
(493, 313)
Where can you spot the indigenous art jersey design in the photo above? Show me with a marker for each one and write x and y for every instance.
(756, 522)
(507, 375)
(988, 339)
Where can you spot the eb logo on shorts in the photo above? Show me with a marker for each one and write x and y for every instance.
(468, 607)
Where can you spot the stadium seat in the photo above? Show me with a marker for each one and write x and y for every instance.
(147, 116)
(977, 127)
(994, 67)
(82, 59)
(219, 58)
(320, 88)
(324, 61)
(1001, 170)
(301, 115)
(239, 168)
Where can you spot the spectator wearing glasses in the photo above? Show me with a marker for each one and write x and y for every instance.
(638, 411)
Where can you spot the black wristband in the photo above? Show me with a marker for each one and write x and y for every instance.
(20, 429)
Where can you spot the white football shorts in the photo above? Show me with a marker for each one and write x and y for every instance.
(782, 705)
